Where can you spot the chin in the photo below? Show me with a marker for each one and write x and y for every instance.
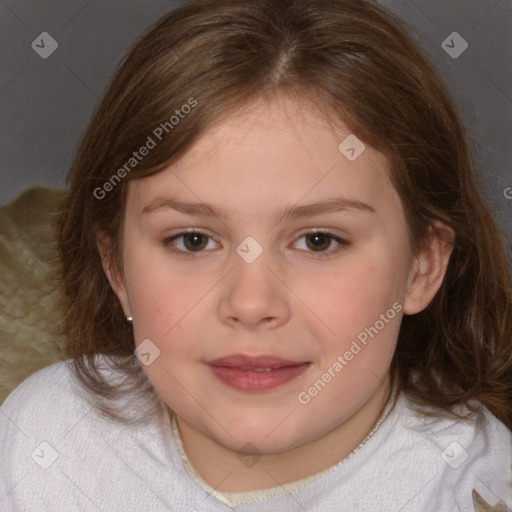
(260, 435)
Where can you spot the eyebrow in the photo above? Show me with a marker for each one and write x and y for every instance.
(293, 212)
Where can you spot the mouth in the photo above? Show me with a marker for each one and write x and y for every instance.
(256, 373)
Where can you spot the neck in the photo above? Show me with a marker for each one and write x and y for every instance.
(220, 467)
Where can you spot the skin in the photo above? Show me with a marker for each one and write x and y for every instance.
(289, 302)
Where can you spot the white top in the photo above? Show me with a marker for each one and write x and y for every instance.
(56, 454)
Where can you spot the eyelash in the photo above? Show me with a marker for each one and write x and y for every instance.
(168, 242)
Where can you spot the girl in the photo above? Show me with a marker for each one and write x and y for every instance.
(283, 290)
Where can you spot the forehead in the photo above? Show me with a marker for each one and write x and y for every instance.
(281, 128)
(271, 153)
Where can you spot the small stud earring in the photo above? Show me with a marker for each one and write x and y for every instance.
(129, 319)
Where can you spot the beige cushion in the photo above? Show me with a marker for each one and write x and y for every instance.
(30, 322)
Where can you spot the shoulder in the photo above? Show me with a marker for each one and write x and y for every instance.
(47, 399)
(56, 453)
(43, 402)
(49, 385)
(462, 455)
(52, 398)
(487, 459)
(47, 405)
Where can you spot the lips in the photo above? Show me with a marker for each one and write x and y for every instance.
(256, 373)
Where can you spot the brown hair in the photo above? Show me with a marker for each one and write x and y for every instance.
(352, 61)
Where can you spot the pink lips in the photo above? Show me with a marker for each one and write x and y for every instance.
(255, 373)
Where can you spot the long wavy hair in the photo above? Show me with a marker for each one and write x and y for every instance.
(352, 61)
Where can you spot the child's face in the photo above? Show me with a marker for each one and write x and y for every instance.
(290, 302)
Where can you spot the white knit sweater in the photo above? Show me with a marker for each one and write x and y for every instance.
(56, 454)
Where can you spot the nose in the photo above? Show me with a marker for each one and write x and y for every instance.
(253, 297)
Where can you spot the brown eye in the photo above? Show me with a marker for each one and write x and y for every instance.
(188, 242)
(321, 243)
(194, 241)
(318, 241)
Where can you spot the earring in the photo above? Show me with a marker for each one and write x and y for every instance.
(129, 319)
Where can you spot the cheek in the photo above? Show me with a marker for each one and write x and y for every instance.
(347, 301)
(155, 287)
(159, 296)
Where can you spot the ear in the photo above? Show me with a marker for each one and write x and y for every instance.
(115, 279)
(429, 268)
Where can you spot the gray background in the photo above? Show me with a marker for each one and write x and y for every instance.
(45, 104)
